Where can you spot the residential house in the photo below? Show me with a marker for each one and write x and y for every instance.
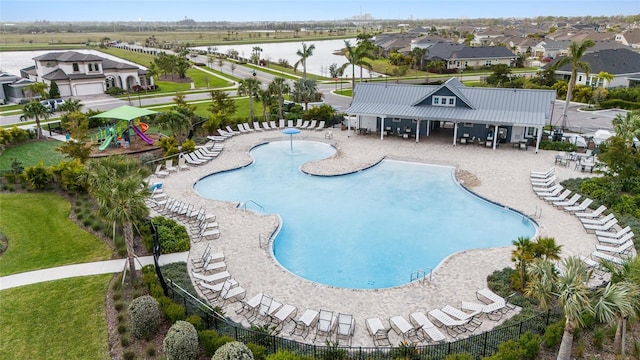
(484, 116)
(630, 38)
(459, 56)
(623, 64)
(13, 88)
(79, 74)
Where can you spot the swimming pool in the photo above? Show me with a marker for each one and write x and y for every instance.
(367, 230)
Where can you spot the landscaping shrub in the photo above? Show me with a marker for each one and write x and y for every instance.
(598, 338)
(553, 334)
(233, 351)
(172, 236)
(38, 177)
(129, 355)
(557, 145)
(144, 313)
(181, 342)
(196, 321)
(527, 347)
(175, 312)
(620, 104)
(286, 355)
(460, 357)
(210, 341)
(258, 351)
(69, 175)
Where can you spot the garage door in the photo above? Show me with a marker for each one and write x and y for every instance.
(88, 89)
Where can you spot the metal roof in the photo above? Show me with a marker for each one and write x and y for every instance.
(488, 105)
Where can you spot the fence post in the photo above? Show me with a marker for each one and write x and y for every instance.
(484, 345)
(520, 328)
(548, 316)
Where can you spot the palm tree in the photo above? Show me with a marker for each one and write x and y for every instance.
(266, 98)
(279, 87)
(71, 105)
(304, 54)
(356, 56)
(576, 52)
(546, 248)
(522, 256)
(249, 87)
(117, 184)
(569, 288)
(36, 110)
(620, 300)
(418, 54)
(605, 76)
(305, 91)
(627, 127)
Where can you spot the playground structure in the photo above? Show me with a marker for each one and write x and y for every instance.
(119, 134)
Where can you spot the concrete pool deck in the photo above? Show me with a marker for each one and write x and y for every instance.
(502, 176)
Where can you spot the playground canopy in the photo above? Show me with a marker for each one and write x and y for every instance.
(125, 112)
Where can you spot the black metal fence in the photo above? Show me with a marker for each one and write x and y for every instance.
(480, 345)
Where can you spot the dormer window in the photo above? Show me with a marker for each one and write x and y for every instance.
(76, 68)
(443, 100)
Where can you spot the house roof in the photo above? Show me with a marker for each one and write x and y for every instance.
(110, 64)
(485, 105)
(613, 61)
(68, 56)
(483, 52)
(632, 36)
(443, 50)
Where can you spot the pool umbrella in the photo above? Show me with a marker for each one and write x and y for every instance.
(290, 132)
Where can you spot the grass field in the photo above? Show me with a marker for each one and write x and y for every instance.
(62, 319)
(41, 235)
(30, 153)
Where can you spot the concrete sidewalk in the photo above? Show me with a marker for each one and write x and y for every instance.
(86, 269)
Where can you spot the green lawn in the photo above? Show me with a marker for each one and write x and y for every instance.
(30, 153)
(41, 235)
(62, 319)
(202, 108)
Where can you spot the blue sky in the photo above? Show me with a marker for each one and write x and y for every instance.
(296, 10)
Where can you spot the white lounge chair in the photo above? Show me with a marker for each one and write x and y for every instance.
(169, 166)
(592, 214)
(493, 311)
(320, 126)
(182, 164)
(266, 307)
(312, 125)
(574, 199)
(325, 325)
(561, 197)
(486, 293)
(622, 249)
(542, 183)
(379, 334)
(249, 307)
(615, 235)
(247, 127)
(231, 131)
(241, 129)
(305, 124)
(283, 315)
(422, 322)
(273, 125)
(454, 327)
(550, 191)
(472, 322)
(542, 175)
(613, 259)
(213, 291)
(298, 123)
(305, 323)
(216, 138)
(290, 123)
(605, 227)
(224, 134)
(161, 173)
(256, 126)
(281, 124)
(345, 328)
(212, 279)
(626, 237)
(584, 205)
(600, 221)
(230, 292)
(401, 326)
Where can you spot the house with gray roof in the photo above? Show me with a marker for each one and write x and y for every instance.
(484, 116)
(623, 64)
(629, 37)
(79, 74)
(459, 56)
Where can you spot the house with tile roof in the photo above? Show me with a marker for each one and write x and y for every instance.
(79, 74)
(483, 116)
(623, 64)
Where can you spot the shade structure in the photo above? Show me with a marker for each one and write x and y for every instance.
(125, 112)
(290, 132)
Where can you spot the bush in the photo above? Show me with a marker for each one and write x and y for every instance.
(557, 145)
(598, 338)
(258, 351)
(286, 355)
(129, 355)
(211, 341)
(196, 321)
(172, 236)
(181, 342)
(527, 347)
(553, 334)
(144, 313)
(175, 312)
(620, 104)
(38, 177)
(234, 350)
(115, 91)
(460, 357)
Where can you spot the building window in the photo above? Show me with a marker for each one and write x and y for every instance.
(443, 101)
(467, 125)
(96, 67)
(90, 67)
(76, 68)
(531, 132)
(579, 78)
(452, 101)
(487, 63)
(436, 100)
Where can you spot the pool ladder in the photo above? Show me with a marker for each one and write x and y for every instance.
(537, 213)
(260, 207)
(421, 274)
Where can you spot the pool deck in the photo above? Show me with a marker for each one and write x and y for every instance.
(503, 176)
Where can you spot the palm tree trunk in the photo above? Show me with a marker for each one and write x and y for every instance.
(567, 100)
(128, 240)
(251, 107)
(353, 77)
(566, 346)
(38, 129)
(280, 104)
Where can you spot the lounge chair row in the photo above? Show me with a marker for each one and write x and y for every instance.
(426, 327)
(616, 244)
(202, 225)
(243, 128)
(212, 278)
(263, 308)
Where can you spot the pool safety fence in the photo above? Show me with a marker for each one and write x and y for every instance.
(480, 345)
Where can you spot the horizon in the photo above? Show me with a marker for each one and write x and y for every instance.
(302, 10)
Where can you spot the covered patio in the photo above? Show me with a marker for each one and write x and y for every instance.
(483, 116)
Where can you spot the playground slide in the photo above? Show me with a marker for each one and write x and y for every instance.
(106, 142)
(141, 135)
(143, 126)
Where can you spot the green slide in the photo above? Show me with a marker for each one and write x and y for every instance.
(106, 142)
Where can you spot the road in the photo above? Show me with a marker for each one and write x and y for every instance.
(577, 121)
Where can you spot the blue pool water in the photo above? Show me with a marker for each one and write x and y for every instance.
(367, 230)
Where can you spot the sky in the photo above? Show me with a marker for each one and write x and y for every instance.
(301, 10)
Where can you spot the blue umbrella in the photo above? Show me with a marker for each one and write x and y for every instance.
(290, 132)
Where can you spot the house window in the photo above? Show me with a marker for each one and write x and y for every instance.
(487, 63)
(76, 68)
(531, 132)
(443, 101)
(90, 67)
(436, 100)
(579, 78)
(96, 67)
(452, 101)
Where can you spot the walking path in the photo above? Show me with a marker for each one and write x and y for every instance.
(86, 269)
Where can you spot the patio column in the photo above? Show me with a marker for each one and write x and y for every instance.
(495, 136)
(428, 127)
(381, 127)
(455, 133)
(417, 130)
(539, 138)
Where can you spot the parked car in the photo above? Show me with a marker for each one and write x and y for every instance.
(52, 104)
